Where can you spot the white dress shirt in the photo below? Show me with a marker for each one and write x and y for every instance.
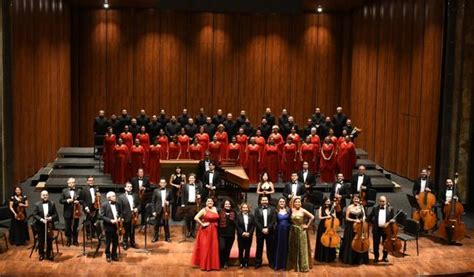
(206, 165)
(92, 194)
(45, 209)
(71, 193)
(192, 194)
(211, 176)
(163, 197)
(449, 195)
(382, 216)
(246, 222)
(422, 185)
(305, 175)
(265, 219)
(338, 188)
(114, 210)
(130, 200)
(140, 183)
(294, 188)
(360, 180)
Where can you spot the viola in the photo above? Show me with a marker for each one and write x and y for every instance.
(330, 238)
(392, 243)
(166, 211)
(134, 218)
(120, 228)
(20, 211)
(97, 200)
(452, 227)
(361, 243)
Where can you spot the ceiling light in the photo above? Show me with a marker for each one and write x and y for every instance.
(319, 9)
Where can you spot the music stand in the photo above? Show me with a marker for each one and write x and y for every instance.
(413, 203)
(149, 219)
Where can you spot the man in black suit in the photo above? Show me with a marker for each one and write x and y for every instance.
(269, 117)
(190, 202)
(142, 183)
(124, 119)
(190, 128)
(154, 128)
(317, 117)
(380, 217)
(209, 127)
(230, 127)
(360, 181)
(70, 197)
(211, 181)
(265, 221)
(245, 225)
(134, 128)
(110, 214)
(338, 190)
(162, 197)
(114, 123)
(100, 128)
(128, 202)
(88, 197)
(306, 177)
(265, 128)
(203, 165)
(163, 119)
(172, 128)
(143, 119)
(44, 211)
(183, 118)
(423, 183)
(339, 121)
(446, 196)
(201, 117)
(293, 188)
(219, 118)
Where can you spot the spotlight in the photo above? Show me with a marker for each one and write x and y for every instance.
(106, 4)
(319, 9)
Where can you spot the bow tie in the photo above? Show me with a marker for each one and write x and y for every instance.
(264, 208)
(72, 189)
(140, 178)
(449, 189)
(191, 184)
(382, 208)
(305, 171)
(361, 175)
(163, 189)
(44, 202)
(129, 193)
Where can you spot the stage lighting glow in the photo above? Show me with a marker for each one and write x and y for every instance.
(319, 9)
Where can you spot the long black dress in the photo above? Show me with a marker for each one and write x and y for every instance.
(18, 229)
(176, 199)
(322, 253)
(346, 254)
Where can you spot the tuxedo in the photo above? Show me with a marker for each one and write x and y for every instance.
(126, 212)
(38, 214)
(70, 223)
(342, 191)
(310, 179)
(443, 195)
(428, 184)
(111, 236)
(300, 189)
(158, 208)
(190, 207)
(366, 182)
(146, 197)
(268, 239)
(244, 243)
(206, 181)
(202, 168)
(87, 195)
(378, 231)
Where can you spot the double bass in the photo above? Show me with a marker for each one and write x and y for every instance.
(426, 200)
(392, 243)
(361, 243)
(330, 238)
(452, 227)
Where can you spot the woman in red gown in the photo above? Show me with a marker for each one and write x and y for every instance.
(127, 137)
(252, 166)
(278, 139)
(183, 141)
(223, 139)
(121, 160)
(346, 158)
(333, 137)
(144, 139)
(242, 140)
(174, 149)
(260, 141)
(137, 158)
(341, 139)
(203, 138)
(294, 137)
(233, 151)
(154, 162)
(163, 141)
(328, 161)
(308, 153)
(196, 151)
(271, 160)
(289, 163)
(216, 150)
(206, 246)
(108, 153)
(317, 144)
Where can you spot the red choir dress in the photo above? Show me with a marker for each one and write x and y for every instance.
(206, 245)
(137, 156)
(196, 152)
(261, 142)
(289, 162)
(215, 150)
(203, 140)
(127, 139)
(296, 139)
(155, 156)
(328, 163)
(309, 154)
(222, 138)
(334, 141)
(317, 143)
(242, 140)
(174, 150)
(272, 162)
(278, 139)
(108, 153)
(184, 143)
(233, 153)
(252, 166)
(121, 156)
(145, 143)
(163, 141)
(346, 159)
(339, 141)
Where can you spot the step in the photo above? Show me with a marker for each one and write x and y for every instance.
(70, 152)
(75, 162)
(81, 181)
(381, 183)
(372, 173)
(77, 172)
(361, 153)
(369, 164)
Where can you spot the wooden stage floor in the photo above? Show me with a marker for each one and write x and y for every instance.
(173, 259)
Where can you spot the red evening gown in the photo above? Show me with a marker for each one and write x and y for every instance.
(196, 152)
(278, 139)
(233, 153)
(155, 156)
(127, 139)
(216, 151)
(272, 162)
(184, 143)
(309, 154)
(137, 156)
(145, 143)
(173, 151)
(222, 138)
(163, 141)
(317, 143)
(206, 245)
(120, 172)
(203, 139)
(252, 166)
(260, 141)
(328, 167)
(296, 139)
(108, 154)
(242, 140)
(346, 159)
(289, 163)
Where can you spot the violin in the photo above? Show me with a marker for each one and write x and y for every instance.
(141, 194)
(452, 227)
(166, 211)
(392, 243)
(134, 218)
(97, 200)
(20, 211)
(361, 243)
(77, 209)
(330, 238)
(120, 228)
(426, 200)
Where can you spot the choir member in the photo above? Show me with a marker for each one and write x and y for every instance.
(282, 231)
(134, 128)
(191, 128)
(293, 188)
(332, 137)
(196, 151)
(299, 253)
(315, 140)
(127, 137)
(308, 153)
(44, 212)
(183, 118)
(241, 119)
(137, 157)
(306, 177)
(114, 123)
(108, 153)
(341, 139)
(172, 128)
(272, 160)
(69, 198)
(360, 181)
(219, 118)
(230, 126)
(144, 139)
(206, 247)
(141, 185)
(245, 225)
(283, 119)
(339, 191)
(346, 157)
(18, 234)
(88, 197)
(265, 221)
(317, 117)
(423, 183)
(177, 181)
(260, 141)
(265, 128)
(248, 129)
(100, 128)
(380, 217)
(201, 117)
(265, 187)
(233, 151)
(163, 141)
(211, 181)
(307, 129)
(110, 215)
(286, 130)
(154, 161)
(226, 230)
(216, 150)
(203, 138)
(184, 141)
(190, 200)
(242, 140)
(289, 160)
(447, 195)
(269, 117)
(222, 138)
(121, 160)
(295, 137)
(174, 149)
(124, 120)
(252, 164)
(278, 139)
(355, 213)
(163, 119)
(328, 162)
(209, 127)
(324, 128)
(322, 253)
(128, 203)
(162, 197)
(143, 119)
(339, 121)
(349, 128)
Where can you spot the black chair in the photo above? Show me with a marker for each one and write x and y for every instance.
(36, 241)
(5, 217)
(3, 236)
(410, 231)
(371, 197)
(316, 198)
(99, 229)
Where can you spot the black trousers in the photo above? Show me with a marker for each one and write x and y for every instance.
(244, 249)
(49, 243)
(142, 214)
(378, 234)
(71, 225)
(91, 219)
(161, 221)
(129, 233)
(111, 239)
(189, 213)
(269, 240)
(225, 245)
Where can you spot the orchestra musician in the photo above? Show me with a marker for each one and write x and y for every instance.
(18, 234)
(110, 214)
(360, 181)
(211, 181)
(293, 188)
(423, 183)
(141, 185)
(44, 213)
(88, 197)
(245, 225)
(69, 198)
(161, 199)
(380, 217)
(190, 202)
(306, 177)
(128, 203)
(339, 191)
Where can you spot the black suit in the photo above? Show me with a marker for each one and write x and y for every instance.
(270, 119)
(215, 182)
(417, 186)
(310, 179)
(366, 182)
(339, 121)
(202, 168)
(378, 232)
(183, 119)
(70, 223)
(244, 243)
(147, 196)
(100, 128)
(262, 238)
(91, 216)
(300, 190)
(143, 120)
(209, 129)
(218, 119)
(123, 120)
(135, 130)
(172, 129)
(190, 207)
(154, 130)
(111, 236)
(158, 209)
(191, 130)
(266, 130)
(38, 214)
(344, 194)
(126, 212)
(230, 128)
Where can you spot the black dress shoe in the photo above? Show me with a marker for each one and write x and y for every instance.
(68, 243)
(109, 259)
(75, 243)
(134, 245)
(168, 240)
(155, 239)
(115, 258)
(125, 247)
(385, 260)
(376, 261)
(50, 257)
(257, 266)
(41, 257)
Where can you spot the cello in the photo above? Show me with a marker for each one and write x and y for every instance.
(361, 243)
(452, 227)
(426, 200)
(392, 243)
(330, 238)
